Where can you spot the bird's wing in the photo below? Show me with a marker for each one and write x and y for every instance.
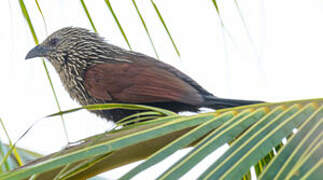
(138, 83)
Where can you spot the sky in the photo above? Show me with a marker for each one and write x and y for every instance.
(273, 54)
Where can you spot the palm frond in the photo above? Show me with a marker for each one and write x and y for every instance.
(252, 132)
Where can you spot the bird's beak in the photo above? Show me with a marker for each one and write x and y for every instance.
(38, 51)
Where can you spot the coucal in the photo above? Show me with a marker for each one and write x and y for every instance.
(94, 71)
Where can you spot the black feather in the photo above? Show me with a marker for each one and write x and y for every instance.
(220, 103)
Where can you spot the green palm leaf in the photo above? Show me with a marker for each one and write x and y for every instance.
(252, 131)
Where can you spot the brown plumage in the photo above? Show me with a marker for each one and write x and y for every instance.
(94, 71)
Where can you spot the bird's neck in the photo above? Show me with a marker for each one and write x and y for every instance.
(71, 74)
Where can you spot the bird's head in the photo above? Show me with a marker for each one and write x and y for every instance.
(67, 44)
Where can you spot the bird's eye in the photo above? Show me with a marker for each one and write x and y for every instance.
(53, 42)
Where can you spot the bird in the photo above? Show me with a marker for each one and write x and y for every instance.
(94, 71)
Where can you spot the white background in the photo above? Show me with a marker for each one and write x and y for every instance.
(283, 61)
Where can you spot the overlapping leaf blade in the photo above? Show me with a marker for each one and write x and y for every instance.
(288, 156)
(157, 139)
(181, 142)
(259, 145)
(103, 147)
(225, 133)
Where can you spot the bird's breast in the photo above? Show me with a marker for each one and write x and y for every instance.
(72, 79)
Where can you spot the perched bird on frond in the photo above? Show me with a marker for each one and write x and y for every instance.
(94, 72)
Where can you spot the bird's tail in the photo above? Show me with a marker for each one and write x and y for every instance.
(220, 103)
